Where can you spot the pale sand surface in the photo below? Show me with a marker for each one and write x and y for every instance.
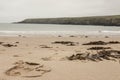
(29, 50)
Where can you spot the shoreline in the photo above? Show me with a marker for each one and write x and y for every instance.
(62, 33)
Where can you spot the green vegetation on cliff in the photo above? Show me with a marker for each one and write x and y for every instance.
(96, 20)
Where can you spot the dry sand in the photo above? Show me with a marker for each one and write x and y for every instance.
(36, 58)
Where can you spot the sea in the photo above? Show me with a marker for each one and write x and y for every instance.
(10, 29)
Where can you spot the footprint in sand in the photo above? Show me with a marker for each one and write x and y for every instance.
(27, 69)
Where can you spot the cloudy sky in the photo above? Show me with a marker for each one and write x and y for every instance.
(17, 10)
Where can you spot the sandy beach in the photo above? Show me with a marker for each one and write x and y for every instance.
(59, 39)
(48, 58)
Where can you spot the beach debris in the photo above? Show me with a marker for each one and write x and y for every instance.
(98, 48)
(101, 43)
(99, 56)
(86, 36)
(31, 63)
(80, 56)
(96, 43)
(106, 36)
(59, 36)
(110, 53)
(45, 46)
(72, 36)
(17, 42)
(113, 42)
(9, 45)
(67, 43)
(15, 55)
(1, 42)
(27, 69)
(19, 35)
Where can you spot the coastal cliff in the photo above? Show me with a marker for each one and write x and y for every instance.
(95, 20)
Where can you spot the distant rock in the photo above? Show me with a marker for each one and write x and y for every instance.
(95, 20)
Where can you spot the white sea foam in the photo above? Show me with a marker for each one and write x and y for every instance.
(114, 32)
(15, 33)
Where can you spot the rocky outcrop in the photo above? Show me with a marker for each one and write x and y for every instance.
(96, 20)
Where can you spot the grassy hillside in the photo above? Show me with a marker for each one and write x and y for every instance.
(96, 20)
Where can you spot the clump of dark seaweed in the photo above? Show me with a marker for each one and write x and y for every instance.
(113, 42)
(9, 45)
(1, 42)
(110, 53)
(72, 36)
(67, 43)
(96, 43)
(98, 48)
(59, 36)
(101, 43)
(99, 56)
(31, 63)
(45, 46)
(17, 42)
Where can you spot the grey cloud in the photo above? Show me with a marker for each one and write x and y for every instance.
(15, 10)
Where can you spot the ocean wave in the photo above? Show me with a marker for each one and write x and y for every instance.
(111, 32)
(59, 32)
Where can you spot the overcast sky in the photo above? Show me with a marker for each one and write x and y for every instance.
(17, 10)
